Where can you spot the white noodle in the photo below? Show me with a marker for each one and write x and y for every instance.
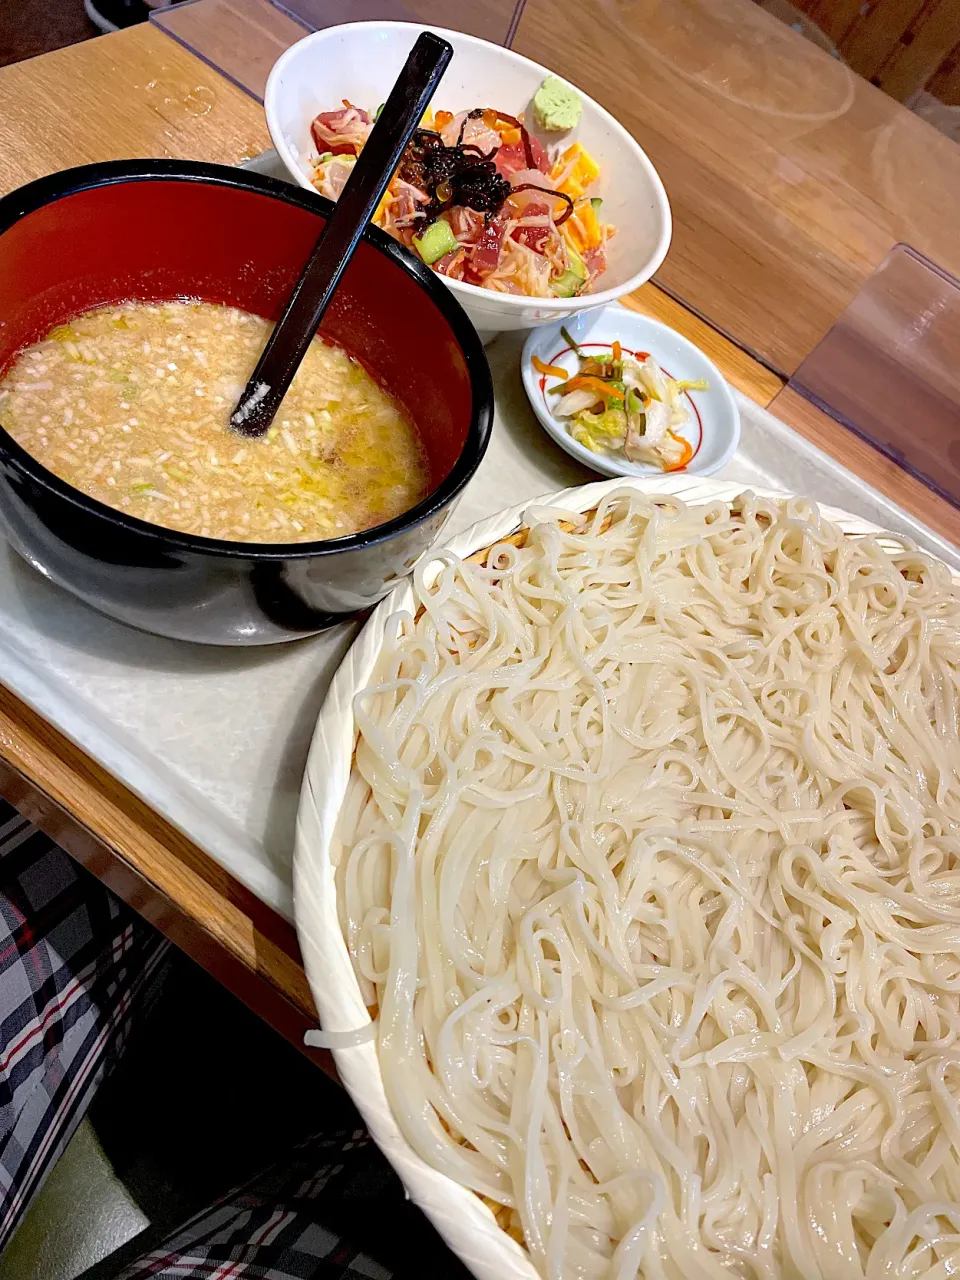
(650, 864)
(316, 1039)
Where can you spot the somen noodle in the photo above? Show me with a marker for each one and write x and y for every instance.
(649, 863)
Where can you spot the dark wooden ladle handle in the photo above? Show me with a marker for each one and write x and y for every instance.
(312, 294)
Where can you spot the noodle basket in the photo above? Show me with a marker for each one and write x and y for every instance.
(468, 1225)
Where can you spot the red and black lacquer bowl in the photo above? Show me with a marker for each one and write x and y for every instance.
(155, 230)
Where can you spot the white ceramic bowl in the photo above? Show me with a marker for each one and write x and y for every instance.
(713, 425)
(360, 61)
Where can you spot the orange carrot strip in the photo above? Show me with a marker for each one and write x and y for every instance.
(687, 452)
(548, 370)
(617, 350)
(589, 383)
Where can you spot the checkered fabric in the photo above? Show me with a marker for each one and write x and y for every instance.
(296, 1220)
(76, 967)
(274, 1228)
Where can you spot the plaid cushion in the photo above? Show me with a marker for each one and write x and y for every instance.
(298, 1219)
(271, 1229)
(76, 968)
(75, 964)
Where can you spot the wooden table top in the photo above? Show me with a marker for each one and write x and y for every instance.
(138, 93)
(132, 94)
(790, 177)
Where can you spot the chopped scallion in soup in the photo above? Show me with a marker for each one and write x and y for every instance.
(131, 405)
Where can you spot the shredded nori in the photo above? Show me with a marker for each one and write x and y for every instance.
(462, 174)
(457, 175)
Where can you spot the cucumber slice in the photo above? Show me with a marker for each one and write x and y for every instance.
(567, 286)
(437, 240)
(577, 264)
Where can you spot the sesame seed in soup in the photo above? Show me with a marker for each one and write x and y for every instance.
(131, 405)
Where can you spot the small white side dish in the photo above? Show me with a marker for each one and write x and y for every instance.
(713, 425)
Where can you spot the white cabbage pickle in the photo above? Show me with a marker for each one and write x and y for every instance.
(620, 404)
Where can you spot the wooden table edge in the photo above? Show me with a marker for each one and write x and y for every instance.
(156, 870)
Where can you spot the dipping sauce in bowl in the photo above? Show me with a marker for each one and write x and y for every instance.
(131, 404)
(400, 372)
